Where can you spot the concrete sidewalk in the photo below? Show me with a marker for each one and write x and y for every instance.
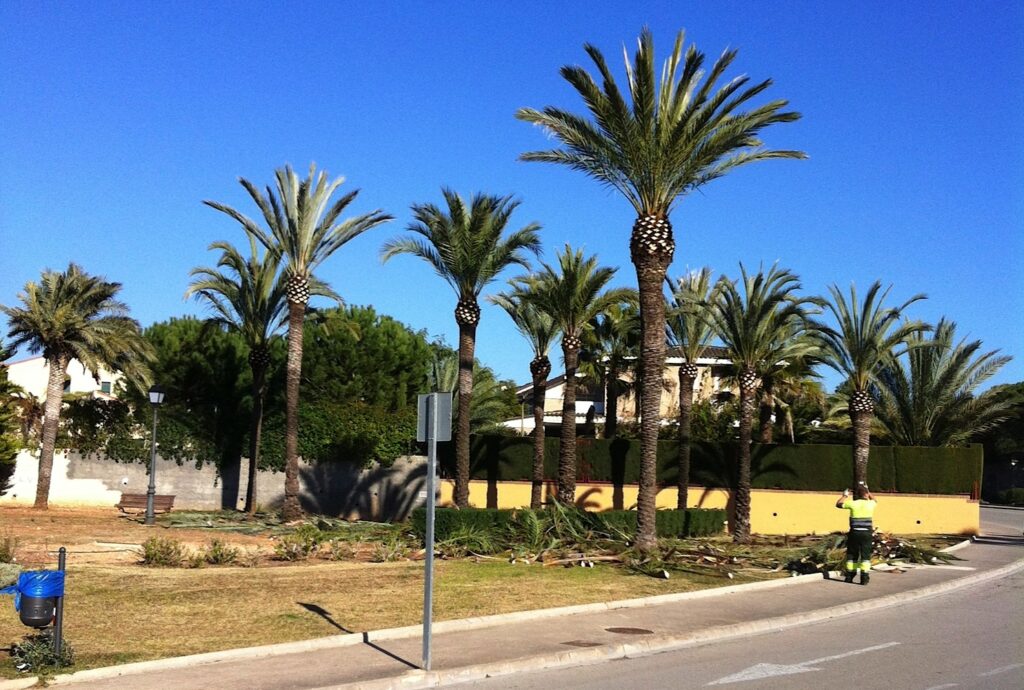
(475, 649)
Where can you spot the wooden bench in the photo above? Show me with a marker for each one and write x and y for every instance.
(161, 503)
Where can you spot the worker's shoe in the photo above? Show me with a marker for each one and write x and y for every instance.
(864, 577)
(848, 577)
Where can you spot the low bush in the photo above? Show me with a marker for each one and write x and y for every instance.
(35, 654)
(163, 552)
(692, 522)
(391, 549)
(1012, 497)
(8, 548)
(218, 552)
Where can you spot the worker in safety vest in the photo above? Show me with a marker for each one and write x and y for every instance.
(858, 540)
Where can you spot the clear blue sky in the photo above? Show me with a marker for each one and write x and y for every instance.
(117, 119)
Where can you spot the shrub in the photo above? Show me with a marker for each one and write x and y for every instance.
(219, 552)
(338, 550)
(299, 545)
(693, 522)
(8, 549)
(196, 559)
(249, 558)
(9, 573)
(1012, 497)
(466, 540)
(163, 552)
(35, 653)
(391, 549)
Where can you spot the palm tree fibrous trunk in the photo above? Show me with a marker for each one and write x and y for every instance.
(567, 438)
(51, 421)
(292, 508)
(651, 249)
(541, 369)
(467, 346)
(259, 375)
(687, 376)
(611, 412)
(741, 521)
(861, 423)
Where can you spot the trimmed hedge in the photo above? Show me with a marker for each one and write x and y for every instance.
(693, 522)
(799, 468)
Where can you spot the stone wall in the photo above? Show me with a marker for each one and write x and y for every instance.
(337, 489)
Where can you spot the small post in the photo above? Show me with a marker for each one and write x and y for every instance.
(58, 628)
(428, 584)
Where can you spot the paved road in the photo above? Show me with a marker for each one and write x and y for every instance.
(961, 640)
(1002, 521)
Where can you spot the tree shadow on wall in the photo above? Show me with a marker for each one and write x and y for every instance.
(718, 468)
(343, 490)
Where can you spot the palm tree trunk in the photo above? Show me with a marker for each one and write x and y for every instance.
(292, 509)
(51, 421)
(861, 422)
(765, 408)
(741, 521)
(611, 412)
(650, 271)
(255, 433)
(685, 420)
(537, 489)
(467, 346)
(567, 439)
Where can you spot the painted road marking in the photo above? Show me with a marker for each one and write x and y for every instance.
(942, 687)
(759, 671)
(1001, 669)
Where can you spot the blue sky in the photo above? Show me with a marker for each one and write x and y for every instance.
(118, 119)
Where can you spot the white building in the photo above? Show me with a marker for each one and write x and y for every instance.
(33, 374)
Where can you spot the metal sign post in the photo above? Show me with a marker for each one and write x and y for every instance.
(433, 424)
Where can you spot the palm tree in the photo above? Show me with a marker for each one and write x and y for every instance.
(757, 324)
(611, 344)
(864, 341)
(928, 397)
(689, 332)
(248, 296)
(539, 330)
(571, 295)
(303, 228)
(669, 141)
(466, 248)
(781, 385)
(74, 315)
(490, 395)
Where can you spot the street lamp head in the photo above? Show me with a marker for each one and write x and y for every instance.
(156, 395)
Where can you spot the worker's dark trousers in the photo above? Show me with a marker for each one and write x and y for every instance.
(858, 550)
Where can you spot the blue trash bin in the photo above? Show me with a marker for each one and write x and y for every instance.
(35, 596)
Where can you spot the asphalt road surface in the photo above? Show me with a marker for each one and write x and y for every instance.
(971, 638)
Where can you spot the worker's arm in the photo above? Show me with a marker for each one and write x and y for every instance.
(842, 499)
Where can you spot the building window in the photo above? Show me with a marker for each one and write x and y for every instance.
(105, 387)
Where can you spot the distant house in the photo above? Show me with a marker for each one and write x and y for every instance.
(33, 374)
(713, 371)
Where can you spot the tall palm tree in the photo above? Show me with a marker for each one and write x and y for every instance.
(867, 338)
(74, 315)
(466, 247)
(782, 381)
(303, 228)
(612, 343)
(670, 140)
(572, 294)
(539, 330)
(927, 398)
(246, 295)
(757, 323)
(689, 330)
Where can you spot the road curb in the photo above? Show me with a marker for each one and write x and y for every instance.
(413, 680)
(458, 625)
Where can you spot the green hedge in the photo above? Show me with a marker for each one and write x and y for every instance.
(693, 522)
(794, 467)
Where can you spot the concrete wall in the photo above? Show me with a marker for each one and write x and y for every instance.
(771, 511)
(335, 489)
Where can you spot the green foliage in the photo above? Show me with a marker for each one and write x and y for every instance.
(450, 521)
(393, 548)
(299, 545)
(163, 552)
(1012, 497)
(825, 467)
(343, 432)
(493, 400)
(9, 424)
(692, 522)
(35, 654)
(219, 552)
(354, 354)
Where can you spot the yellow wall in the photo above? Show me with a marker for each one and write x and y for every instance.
(771, 512)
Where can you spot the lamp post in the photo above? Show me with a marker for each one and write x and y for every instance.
(156, 398)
